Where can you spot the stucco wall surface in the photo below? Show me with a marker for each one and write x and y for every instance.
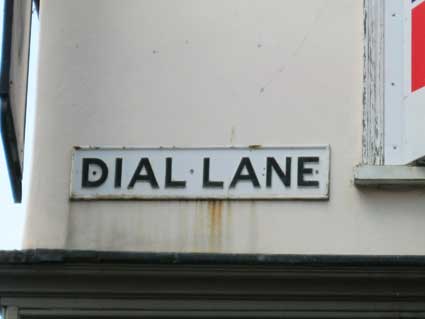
(209, 73)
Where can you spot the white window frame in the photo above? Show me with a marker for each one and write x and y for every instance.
(385, 82)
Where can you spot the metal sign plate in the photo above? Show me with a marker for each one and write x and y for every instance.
(201, 173)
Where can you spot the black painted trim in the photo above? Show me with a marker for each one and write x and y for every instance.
(8, 132)
(11, 152)
(93, 284)
(42, 256)
(37, 6)
(6, 48)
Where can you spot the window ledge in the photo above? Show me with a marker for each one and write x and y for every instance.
(389, 175)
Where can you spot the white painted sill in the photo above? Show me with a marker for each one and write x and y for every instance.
(389, 175)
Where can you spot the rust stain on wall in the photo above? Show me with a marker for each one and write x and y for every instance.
(199, 226)
(215, 212)
(228, 221)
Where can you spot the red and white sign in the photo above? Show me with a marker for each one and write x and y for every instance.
(418, 44)
(404, 81)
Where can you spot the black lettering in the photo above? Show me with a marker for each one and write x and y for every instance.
(272, 164)
(148, 177)
(168, 175)
(85, 172)
(118, 172)
(306, 171)
(245, 163)
(207, 183)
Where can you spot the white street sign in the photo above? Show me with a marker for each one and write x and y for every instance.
(201, 173)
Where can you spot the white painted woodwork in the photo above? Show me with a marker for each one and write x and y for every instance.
(373, 95)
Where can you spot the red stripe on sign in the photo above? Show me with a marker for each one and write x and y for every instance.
(418, 47)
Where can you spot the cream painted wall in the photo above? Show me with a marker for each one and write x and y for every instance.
(203, 73)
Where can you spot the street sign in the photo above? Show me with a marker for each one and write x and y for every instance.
(201, 173)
